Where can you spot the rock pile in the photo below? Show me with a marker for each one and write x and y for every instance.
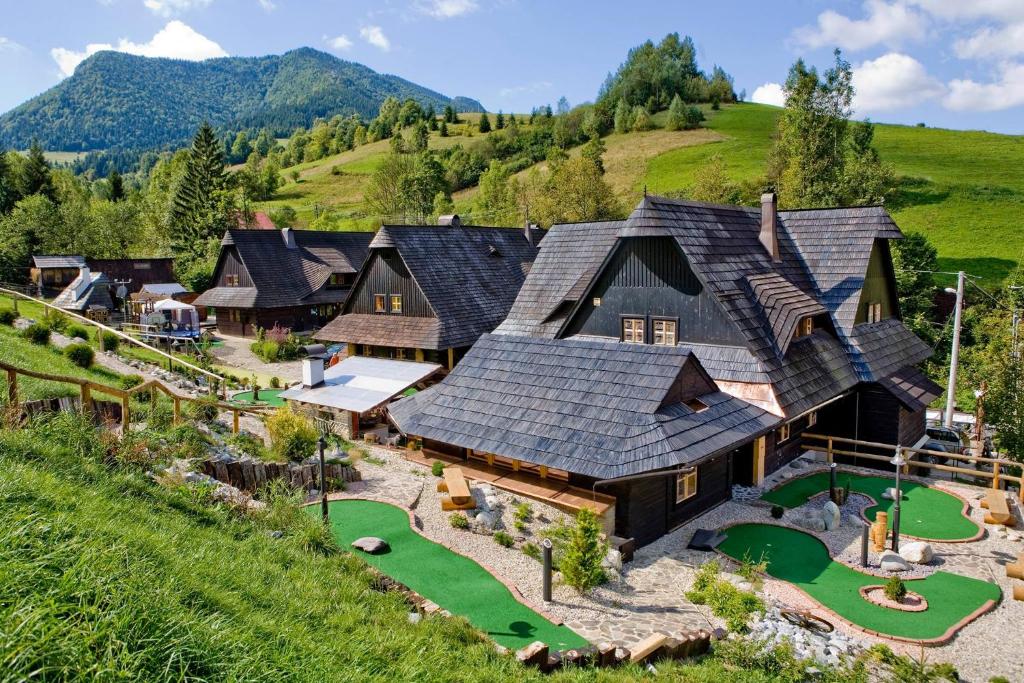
(487, 515)
(825, 649)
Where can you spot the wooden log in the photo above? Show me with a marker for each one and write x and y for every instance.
(1015, 570)
(448, 505)
(259, 471)
(534, 654)
(235, 477)
(605, 654)
(220, 469)
(1018, 591)
(12, 387)
(234, 421)
(248, 476)
(86, 398)
(647, 648)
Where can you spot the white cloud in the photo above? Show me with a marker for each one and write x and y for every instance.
(267, 5)
(175, 40)
(341, 42)
(1007, 41)
(374, 35)
(8, 45)
(1004, 93)
(769, 93)
(168, 8)
(1005, 10)
(528, 87)
(885, 24)
(893, 81)
(446, 9)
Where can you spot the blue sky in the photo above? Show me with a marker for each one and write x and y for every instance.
(951, 63)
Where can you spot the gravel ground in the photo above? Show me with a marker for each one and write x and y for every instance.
(648, 595)
(236, 354)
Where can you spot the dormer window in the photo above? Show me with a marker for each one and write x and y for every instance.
(633, 330)
(804, 327)
(396, 303)
(664, 332)
(337, 280)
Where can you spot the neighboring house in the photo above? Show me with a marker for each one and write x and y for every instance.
(88, 294)
(259, 221)
(292, 278)
(143, 301)
(427, 293)
(667, 357)
(51, 274)
(134, 273)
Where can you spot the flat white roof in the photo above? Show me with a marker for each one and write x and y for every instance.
(359, 384)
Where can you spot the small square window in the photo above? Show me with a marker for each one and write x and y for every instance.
(231, 279)
(812, 418)
(686, 486)
(665, 332)
(783, 433)
(396, 303)
(597, 301)
(400, 354)
(633, 330)
(874, 312)
(380, 303)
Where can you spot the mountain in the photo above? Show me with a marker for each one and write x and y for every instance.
(117, 100)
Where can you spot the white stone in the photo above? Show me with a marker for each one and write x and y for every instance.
(612, 560)
(891, 562)
(831, 516)
(889, 493)
(810, 520)
(486, 519)
(370, 544)
(918, 552)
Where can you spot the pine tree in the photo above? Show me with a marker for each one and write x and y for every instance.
(8, 186)
(581, 565)
(641, 119)
(35, 174)
(443, 132)
(676, 114)
(202, 207)
(622, 117)
(499, 120)
(115, 186)
(485, 123)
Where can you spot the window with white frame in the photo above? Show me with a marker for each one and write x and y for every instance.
(380, 303)
(686, 486)
(664, 332)
(396, 303)
(633, 330)
(874, 312)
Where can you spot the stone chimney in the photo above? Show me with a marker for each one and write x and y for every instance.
(451, 219)
(312, 372)
(769, 235)
(288, 235)
(528, 232)
(83, 281)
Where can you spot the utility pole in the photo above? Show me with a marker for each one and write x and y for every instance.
(954, 358)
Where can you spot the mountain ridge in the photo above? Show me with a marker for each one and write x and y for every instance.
(116, 100)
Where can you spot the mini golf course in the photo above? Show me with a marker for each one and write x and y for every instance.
(927, 513)
(268, 397)
(803, 560)
(456, 583)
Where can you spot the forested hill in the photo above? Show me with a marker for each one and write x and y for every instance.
(116, 100)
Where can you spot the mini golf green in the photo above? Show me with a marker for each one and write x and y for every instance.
(926, 512)
(803, 560)
(456, 583)
(268, 397)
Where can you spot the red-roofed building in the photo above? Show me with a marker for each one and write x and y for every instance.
(260, 221)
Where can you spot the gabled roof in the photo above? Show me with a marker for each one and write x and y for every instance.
(469, 275)
(880, 349)
(591, 407)
(96, 293)
(58, 261)
(284, 277)
(781, 304)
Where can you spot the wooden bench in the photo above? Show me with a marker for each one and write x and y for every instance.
(998, 509)
(455, 485)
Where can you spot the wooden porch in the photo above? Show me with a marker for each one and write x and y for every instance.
(551, 491)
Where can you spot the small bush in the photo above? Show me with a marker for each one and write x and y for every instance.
(751, 571)
(77, 332)
(275, 382)
(37, 333)
(292, 436)
(437, 469)
(79, 354)
(895, 589)
(519, 525)
(503, 539)
(131, 381)
(250, 445)
(725, 600)
(458, 521)
(203, 409)
(110, 341)
(532, 550)
(57, 322)
(161, 416)
(523, 512)
(586, 550)
(7, 316)
(778, 511)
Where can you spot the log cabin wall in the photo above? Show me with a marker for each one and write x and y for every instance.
(650, 277)
(713, 487)
(231, 265)
(386, 274)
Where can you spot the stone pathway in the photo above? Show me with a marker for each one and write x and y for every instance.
(235, 355)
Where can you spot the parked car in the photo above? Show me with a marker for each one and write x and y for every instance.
(950, 440)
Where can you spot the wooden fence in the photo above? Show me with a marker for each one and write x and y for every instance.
(884, 452)
(87, 388)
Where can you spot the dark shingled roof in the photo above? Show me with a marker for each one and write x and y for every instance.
(58, 261)
(286, 277)
(596, 408)
(912, 388)
(880, 349)
(470, 275)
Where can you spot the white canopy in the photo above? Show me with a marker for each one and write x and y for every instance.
(171, 305)
(359, 383)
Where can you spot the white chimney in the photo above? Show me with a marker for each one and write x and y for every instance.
(82, 283)
(312, 372)
(769, 235)
(288, 235)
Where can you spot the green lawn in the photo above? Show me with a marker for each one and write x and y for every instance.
(803, 560)
(454, 582)
(270, 397)
(926, 512)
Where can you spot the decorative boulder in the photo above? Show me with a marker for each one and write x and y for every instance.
(811, 521)
(487, 520)
(613, 560)
(891, 562)
(918, 552)
(889, 493)
(831, 516)
(370, 544)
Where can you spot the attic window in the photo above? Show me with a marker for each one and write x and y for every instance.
(597, 302)
(696, 405)
(380, 303)
(396, 303)
(874, 313)
(633, 330)
(664, 332)
(805, 327)
(232, 279)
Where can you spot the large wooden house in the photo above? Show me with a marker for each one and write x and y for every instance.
(292, 278)
(427, 293)
(667, 357)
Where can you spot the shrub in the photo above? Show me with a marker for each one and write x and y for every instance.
(751, 571)
(79, 354)
(895, 589)
(503, 539)
(266, 350)
(778, 511)
(437, 469)
(161, 416)
(76, 331)
(458, 521)
(37, 333)
(523, 512)
(249, 444)
(519, 525)
(203, 409)
(110, 341)
(7, 316)
(275, 382)
(57, 322)
(725, 600)
(586, 550)
(532, 550)
(292, 436)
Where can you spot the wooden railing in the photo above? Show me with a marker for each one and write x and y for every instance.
(833, 446)
(87, 388)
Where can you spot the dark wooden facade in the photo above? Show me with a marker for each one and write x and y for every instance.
(879, 284)
(242, 322)
(387, 275)
(135, 272)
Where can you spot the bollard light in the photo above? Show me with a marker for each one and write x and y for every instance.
(546, 548)
(899, 462)
(322, 443)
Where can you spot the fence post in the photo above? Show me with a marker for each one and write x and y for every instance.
(234, 421)
(12, 387)
(906, 467)
(177, 410)
(828, 452)
(86, 398)
(995, 475)
(126, 420)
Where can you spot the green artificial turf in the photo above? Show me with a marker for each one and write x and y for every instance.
(454, 582)
(270, 397)
(926, 512)
(803, 560)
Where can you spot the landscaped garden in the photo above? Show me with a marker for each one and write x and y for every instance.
(267, 397)
(926, 512)
(804, 561)
(456, 583)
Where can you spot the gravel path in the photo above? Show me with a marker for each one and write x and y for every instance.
(235, 353)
